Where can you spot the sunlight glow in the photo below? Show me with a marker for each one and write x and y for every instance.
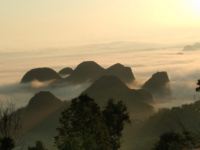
(65, 23)
(194, 5)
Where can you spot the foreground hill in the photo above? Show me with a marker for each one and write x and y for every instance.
(111, 87)
(40, 118)
(178, 119)
(39, 107)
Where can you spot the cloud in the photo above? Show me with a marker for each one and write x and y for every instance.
(183, 70)
(20, 94)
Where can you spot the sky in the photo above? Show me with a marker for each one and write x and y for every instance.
(33, 24)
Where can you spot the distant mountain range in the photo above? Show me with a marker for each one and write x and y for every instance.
(90, 71)
(193, 47)
(85, 71)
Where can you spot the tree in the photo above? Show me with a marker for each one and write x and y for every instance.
(190, 141)
(198, 84)
(82, 127)
(9, 126)
(170, 141)
(38, 146)
(175, 141)
(116, 115)
(7, 143)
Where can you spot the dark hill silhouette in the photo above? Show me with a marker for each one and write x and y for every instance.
(40, 74)
(91, 71)
(40, 117)
(158, 84)
(43, 99)
(65, 71)
(86, 71)
(39, 107)
(45, 129)
(193, 47)
(122, 72)
(177, 119)
(111, 87)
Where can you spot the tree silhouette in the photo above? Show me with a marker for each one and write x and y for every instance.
(9, 126)
(198, 84)
(6, 143)
(82, 127)
(38, 146)
(116, 116)
(176, 141)
(170, 141)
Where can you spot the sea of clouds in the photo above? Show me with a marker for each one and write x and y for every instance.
(183, 69)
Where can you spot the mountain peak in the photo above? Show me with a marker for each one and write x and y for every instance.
(40, 74)
(43, 98)
(66, 71)
(158, 83)
(122, 72)
(88, 70)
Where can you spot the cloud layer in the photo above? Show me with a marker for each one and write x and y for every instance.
(183, 70)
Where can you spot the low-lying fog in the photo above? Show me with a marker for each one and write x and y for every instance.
(183, 69)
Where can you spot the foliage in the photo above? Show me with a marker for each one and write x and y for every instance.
(9, 122)
(198, 84)
(83, 126)
(175, 141)
(6, 143)
(38, 146)
(116, 116)
(9, 126)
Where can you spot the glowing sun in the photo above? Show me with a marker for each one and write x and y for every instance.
(194, 6)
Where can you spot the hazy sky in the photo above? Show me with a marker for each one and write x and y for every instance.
(59, 23)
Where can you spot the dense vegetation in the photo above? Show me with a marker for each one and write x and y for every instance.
(9, 125)
(38, 146)
(179, 140)
(84, 125)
